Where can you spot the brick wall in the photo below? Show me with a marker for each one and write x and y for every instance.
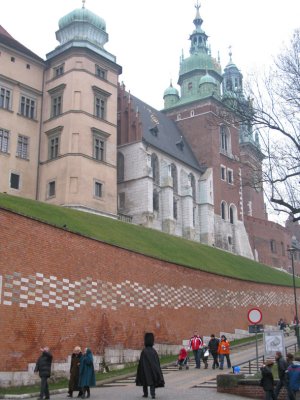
(62, 289)
(250, 390)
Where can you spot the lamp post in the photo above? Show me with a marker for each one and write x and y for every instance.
(292, 250)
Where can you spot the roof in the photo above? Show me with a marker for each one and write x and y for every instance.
(161, 132)
(9, 41)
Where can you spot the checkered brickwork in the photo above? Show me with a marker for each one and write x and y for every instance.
(38, 289)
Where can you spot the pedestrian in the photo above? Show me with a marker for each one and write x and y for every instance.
(87, 377)
(282, 366)
(204, 353)
(213, 346)
(149, 372)
(196, 345)
(43, 367)
(74, 372)
(183, 358)
(294, 378)
(224, 351)
(267, 380)
(290, 361)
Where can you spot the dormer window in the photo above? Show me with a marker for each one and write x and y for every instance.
(154, 130)
(180, 144)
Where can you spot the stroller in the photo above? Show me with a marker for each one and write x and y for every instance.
(183, 359)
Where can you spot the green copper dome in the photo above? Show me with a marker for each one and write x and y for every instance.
(199, 61)
(171, 91)
(207, 79)
(82, 15)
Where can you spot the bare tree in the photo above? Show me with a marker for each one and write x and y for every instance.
(274, 111)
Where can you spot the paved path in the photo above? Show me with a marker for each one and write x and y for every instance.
(185, 384)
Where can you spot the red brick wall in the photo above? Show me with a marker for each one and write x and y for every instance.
(62, 289)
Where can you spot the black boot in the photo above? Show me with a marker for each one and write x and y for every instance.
(88, 392)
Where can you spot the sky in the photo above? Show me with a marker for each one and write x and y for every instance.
(148, 37)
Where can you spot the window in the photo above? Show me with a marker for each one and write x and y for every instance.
(53, 146)
(223, 210)
(120, 167)
(193, 185)
(100, 99)
(231, 215)
(4, 136)
(5, 98)
(98, 148)
(174, 178)
(225, 145)
(56, 100)
(22, 147)
(230, 176)
(282, 249)
(155, 168)
(27, 108)
(14, 181)
(59, 70)
(100, 72)
(273, 246)
(56, 106)
(174, 208)
(190, 86)
(98, 189)
(155, 200)
(51, 189)
(121, 201)
(12, 59)
(223, 173)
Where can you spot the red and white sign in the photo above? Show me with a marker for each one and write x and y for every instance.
(254, 315)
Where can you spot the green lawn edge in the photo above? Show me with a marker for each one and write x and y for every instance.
(147, 241)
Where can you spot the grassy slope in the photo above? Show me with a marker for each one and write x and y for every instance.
(148, 241)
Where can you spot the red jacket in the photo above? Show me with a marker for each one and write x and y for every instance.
(182, 354)
(196, 343)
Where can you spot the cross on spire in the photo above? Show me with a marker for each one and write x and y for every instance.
(198, 5)
(83, 3)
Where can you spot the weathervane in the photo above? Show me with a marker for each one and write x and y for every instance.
(83, 3)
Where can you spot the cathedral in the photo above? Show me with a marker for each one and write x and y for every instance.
(73, 136)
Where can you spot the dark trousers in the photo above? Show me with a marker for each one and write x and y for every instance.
(197, 357)
(270, 395)
(216, 359)
(85, 392)
(152, 391)
(44, 387)
(222, 356)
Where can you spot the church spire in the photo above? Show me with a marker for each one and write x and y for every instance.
(198, 38)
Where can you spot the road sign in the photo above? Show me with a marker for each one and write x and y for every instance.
(254, 315)
(255, 328)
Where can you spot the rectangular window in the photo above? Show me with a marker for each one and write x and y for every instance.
(22, 147)
(27, 107)
(100, 107)
(223, 173)
(51, 189)
(230, 176)
(5, 98)
(121, 201)
(98, 148)
(53, 147)
(98, 189)
(56, 106)
(4, 136)
(273, 246)
(14, 181)
(100, 72)
(59, 70)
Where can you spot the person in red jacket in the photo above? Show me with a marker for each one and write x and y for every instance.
(196, 345)
(224, 351)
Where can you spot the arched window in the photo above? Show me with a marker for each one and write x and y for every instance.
(193, 185)
(155, 168)
(155, 200)
(174, 177)
(231, 215)
(120, 167)
(224, 210)
(175, 208)
(225, 143)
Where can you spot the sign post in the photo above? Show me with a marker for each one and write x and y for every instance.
(254, 317)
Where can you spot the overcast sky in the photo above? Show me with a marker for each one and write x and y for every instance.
(148, 37)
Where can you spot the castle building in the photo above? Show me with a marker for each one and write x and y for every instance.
(71, 135)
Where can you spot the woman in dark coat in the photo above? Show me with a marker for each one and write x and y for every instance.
(149, 372)
(87, 377)
(74, 372)
(267, 380)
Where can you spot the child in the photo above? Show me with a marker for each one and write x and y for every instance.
(183, 358)
(149, 372)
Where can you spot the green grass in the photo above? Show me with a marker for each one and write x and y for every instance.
(148, 241)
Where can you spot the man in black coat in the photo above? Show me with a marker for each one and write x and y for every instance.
(267, 380)
(213, 346)
(282, 366)
(149, 372)
(43, 367)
